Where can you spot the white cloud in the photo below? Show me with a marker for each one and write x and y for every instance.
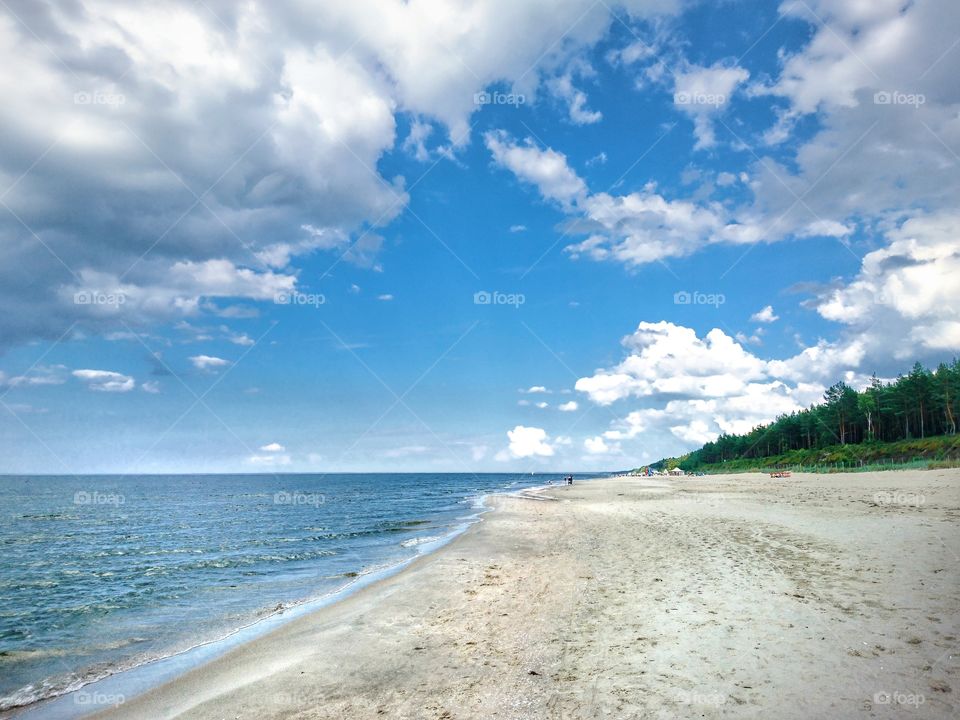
(385, 298)
(562, 87)
(240, 339)
(868, 162)
(634, 229)
(208, 362)
(105, 380)
(692, 389)
(150, 386)
(518, 228)
(765, 315)
(905, 301)
(273, 447)
(284, 110)
(635, 51)
(598, 446)
(529, 442)
(415, 143)
(670, 360)
(547, 169)
(703, 91)
(568, 406)
(726, 179)
(535, 389)
(542, 405)
(38, 375)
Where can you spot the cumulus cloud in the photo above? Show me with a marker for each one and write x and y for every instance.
(568, 406)
(144, 141)
(273, 447)
(634, 229)
(528, 442)
(208, 362)
(563, 87)
(905, 301)
(599, 446)
(105, 380)
(701, 92)
(546, 169)
(692, 389)
(878, 81)
(765, 315)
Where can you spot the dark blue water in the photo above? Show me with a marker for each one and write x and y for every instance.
(99, 574)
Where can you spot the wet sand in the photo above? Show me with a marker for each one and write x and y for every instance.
(734, 596)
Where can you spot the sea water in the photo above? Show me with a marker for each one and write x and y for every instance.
(103, 573)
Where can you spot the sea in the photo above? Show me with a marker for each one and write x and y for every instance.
(103, 574)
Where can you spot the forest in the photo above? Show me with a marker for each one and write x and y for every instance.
(919, 405)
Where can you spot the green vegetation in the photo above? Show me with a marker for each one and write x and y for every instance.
(910, 422)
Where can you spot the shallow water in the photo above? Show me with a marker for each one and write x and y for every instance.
(102, 573)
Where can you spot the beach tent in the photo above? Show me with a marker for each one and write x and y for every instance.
(676, 471)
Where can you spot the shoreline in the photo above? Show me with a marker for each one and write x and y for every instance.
(720, 596)
(140, 677)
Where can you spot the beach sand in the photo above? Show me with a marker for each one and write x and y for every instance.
(734, 596)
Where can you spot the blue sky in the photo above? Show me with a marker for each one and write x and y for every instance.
(250, 239)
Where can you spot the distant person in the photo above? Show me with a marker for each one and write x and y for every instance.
(569, 479)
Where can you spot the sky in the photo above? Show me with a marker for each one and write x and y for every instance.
(499, 236)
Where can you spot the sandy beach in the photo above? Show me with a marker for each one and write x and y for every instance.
(742, 596)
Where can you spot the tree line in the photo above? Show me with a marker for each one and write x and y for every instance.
(921, 404)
